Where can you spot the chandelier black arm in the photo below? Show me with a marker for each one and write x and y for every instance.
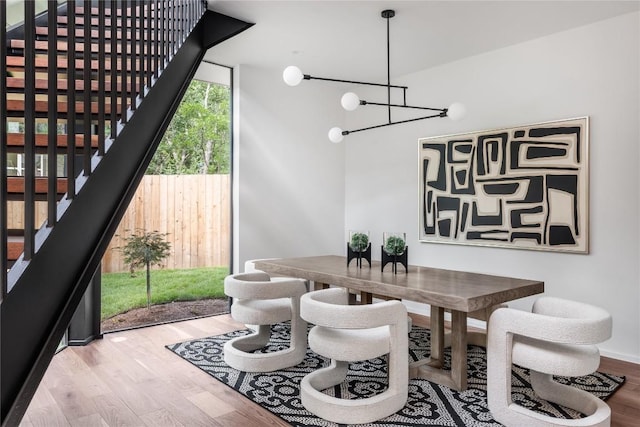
(308, 77)
(363, 102)
(442, 114)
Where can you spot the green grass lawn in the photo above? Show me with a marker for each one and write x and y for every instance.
(121, 292)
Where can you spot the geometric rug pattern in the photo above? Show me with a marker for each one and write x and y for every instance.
(429, 404)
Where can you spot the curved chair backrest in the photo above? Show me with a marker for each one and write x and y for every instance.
(258, 285)
(328, 308)
(584, 323)
(556, 326)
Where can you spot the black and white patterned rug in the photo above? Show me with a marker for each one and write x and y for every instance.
(429, 404)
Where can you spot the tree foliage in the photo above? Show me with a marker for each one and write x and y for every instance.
(144, 249)
(197, 140)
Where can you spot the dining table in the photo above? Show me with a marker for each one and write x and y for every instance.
(459, 292)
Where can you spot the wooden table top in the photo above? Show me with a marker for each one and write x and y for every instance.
(454, 290)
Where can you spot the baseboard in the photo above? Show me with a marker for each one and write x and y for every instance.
(620, 356)
(85, 341)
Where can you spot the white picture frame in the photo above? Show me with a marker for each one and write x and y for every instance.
(523, 187)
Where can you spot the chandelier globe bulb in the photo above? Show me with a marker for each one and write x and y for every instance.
(456, 111)
(292, 75)
(335, 135)
(350, 101)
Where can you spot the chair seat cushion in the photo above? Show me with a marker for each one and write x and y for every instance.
(554, 358)
(349, 345)
(261, 312)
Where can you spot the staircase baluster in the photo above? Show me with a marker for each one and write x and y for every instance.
(86, 88)
(149, 44)
(29, 129)
(179, 11)
(123, 61)
(172, 29)
(101, 76)
(133, 45)
(166, 35)
(114, 71)
(186, 9)
(4, 250)
(176, 26)
(189, 15)
(71, 99)
(140, 46)
(159, 44)
(52, 113)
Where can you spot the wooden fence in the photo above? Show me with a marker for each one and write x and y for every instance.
(194, 211)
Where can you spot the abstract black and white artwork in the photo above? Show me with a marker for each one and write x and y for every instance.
(522, 187)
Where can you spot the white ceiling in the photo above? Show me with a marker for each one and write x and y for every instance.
(347, 39)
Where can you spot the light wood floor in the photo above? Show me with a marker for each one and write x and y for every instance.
(130, 379)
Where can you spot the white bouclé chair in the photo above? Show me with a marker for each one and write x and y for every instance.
(260, 301)
(557, 338)
(349, 333)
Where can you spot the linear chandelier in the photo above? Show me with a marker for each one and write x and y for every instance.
(292, 76)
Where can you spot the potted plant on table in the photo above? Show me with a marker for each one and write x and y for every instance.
(359, 247)
(394, 250)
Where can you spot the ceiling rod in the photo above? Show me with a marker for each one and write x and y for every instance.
(292, 76)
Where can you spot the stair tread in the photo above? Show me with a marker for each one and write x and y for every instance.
(42, 140)
(15, 247)
(64, 19)
(94, 34)
(18, 105)
(61, 84)
(15, 185)
(42, 62)
(94, 11)
(63, 46)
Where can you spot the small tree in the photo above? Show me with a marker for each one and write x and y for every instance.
(145, 249)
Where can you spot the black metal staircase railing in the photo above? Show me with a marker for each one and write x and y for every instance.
(102, 92)
(123, 79)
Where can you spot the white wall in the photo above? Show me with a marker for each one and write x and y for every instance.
(589, 71)
(288, 177)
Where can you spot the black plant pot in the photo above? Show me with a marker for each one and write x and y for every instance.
(395, 260)
(359, 255)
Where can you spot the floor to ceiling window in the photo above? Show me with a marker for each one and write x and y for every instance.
(182, 205)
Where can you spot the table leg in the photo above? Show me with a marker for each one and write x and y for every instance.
(437, 336)
(366, 297)
(319, 285)
(459, 349)
(431, 368)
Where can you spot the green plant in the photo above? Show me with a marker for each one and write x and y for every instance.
(394, 245)
(359, 242)
(144, 249)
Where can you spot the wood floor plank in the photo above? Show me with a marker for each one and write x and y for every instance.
(130, 378)
(210, 404)
(134, 394)
(48, 416)
(73, 403)
(114, 411)
(93, 420)
(161, 417)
